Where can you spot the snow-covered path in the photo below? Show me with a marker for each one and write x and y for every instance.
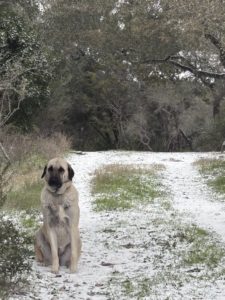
(191, 195)
(99, 259)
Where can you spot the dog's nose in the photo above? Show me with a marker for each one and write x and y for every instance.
(55, 182)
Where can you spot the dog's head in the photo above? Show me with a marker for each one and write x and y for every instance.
(57, 173)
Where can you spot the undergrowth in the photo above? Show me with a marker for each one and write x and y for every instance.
(14, 259)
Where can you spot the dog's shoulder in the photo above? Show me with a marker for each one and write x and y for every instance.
(72, 194)
(43, 193)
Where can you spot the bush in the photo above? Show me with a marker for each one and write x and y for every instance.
(14, 258)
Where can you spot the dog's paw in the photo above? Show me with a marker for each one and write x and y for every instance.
(73, 268)
(55, 269)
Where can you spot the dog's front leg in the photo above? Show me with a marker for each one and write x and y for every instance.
(75, 240)
(54, 250)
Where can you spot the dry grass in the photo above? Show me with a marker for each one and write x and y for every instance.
(121, 168)
(29, 154)
(19, 146)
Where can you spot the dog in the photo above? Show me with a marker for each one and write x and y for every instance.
(57, 242)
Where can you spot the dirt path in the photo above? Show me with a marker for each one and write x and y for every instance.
(108, 266)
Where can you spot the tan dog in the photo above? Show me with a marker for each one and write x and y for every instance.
(57, 242)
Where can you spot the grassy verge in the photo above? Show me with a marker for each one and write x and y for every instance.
(214, 171)
(26, 185)
(27, 198)
(119, 187)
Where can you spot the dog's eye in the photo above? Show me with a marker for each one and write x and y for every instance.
(61, 170)
(50, 169)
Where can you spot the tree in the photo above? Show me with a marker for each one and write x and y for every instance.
(25, 72)
(199, 28)
(112, 57)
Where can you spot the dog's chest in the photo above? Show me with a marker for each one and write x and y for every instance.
(63, 235)
(58, 212)
(59, 221)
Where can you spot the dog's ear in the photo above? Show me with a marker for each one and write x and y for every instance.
(44, 171)
(70, 172)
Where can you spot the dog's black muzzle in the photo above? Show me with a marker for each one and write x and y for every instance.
(55, 183)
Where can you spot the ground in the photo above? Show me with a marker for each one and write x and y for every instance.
(171, 249)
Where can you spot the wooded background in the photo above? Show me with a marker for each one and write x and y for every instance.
(140, 75)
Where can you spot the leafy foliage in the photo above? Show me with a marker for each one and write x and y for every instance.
(14, 261)
(25, 71)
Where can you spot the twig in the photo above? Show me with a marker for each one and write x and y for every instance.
(8, 161)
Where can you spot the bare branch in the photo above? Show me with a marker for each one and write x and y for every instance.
(10, 104)
(4, 152)
(3, 173)
(184, 67)
(7, 159)
(145, 139)
(10, 114)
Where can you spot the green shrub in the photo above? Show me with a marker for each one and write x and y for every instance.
(14, 258)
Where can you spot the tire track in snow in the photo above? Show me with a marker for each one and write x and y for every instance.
(191, 194)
